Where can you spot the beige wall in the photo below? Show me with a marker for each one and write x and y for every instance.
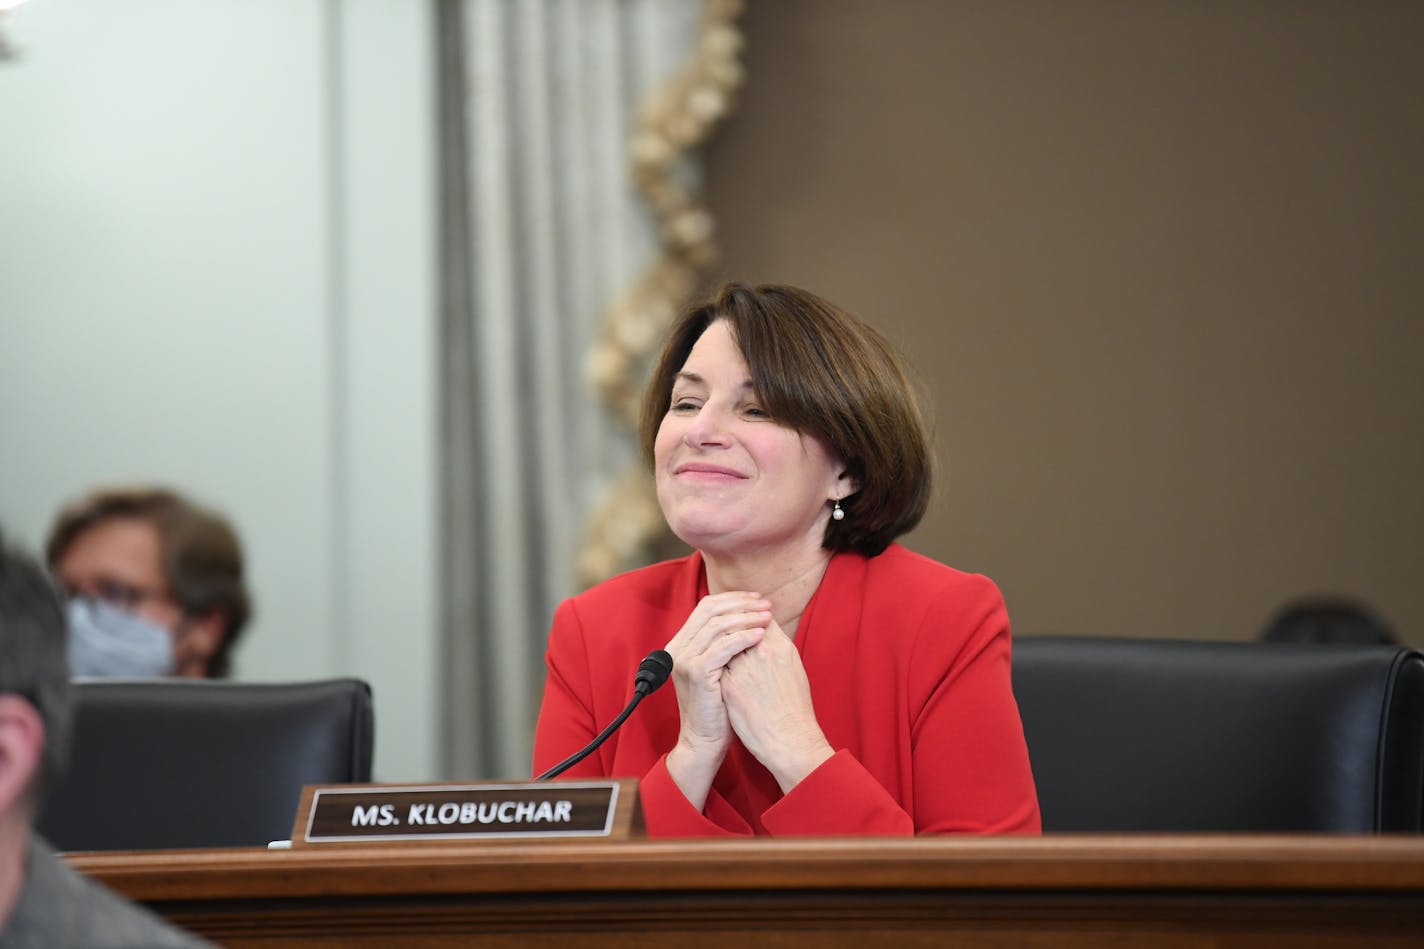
(1158, 263)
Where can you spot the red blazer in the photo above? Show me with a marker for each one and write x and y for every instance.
(908, 662)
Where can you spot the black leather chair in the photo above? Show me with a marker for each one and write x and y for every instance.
(170, 763)
(1152, 735)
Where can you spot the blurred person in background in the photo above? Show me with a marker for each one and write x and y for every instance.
(1328, 619)
(43, 902)
(155, 582)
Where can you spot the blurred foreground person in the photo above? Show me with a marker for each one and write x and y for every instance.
(155, 582)
(43, 903)
(827, 680)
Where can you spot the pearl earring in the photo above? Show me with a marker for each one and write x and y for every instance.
(836, 513)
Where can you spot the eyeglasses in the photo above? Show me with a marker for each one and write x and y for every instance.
(125, 596)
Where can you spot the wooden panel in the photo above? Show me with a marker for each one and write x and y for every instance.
(1059, 891)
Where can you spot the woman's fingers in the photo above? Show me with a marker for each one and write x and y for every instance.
(717, 629)
(768, 701)
(716, 614)
(731, 644)
(702, 644)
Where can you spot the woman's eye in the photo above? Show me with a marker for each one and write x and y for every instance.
(683, 405)
(757, 412)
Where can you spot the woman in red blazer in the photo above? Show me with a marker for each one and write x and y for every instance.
(826, 680)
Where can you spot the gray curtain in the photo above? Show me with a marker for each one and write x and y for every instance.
(541, 228)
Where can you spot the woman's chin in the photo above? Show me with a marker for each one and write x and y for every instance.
(706, 535)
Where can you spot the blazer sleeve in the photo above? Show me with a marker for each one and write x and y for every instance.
(567, 722)
(969, 762)
(839, 799)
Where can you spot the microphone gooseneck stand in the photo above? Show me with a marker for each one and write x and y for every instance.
(652, 673)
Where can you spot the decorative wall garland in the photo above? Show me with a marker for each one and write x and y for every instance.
(675, 119)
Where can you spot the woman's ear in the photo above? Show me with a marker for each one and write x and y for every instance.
(22, 739)
(845, 485)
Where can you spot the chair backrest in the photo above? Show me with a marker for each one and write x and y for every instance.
(171, 763)
(1154, 735)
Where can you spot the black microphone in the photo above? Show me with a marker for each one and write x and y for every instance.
(652, 673)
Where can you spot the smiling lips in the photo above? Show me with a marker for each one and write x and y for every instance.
(703, 470)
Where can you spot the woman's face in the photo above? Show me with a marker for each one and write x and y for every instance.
(730, 479)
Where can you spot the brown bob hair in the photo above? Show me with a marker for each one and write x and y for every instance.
(820, 371)
(202, 559)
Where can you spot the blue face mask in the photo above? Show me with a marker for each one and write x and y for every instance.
(107, 641)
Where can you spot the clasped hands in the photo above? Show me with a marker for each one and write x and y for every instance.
(737, 672)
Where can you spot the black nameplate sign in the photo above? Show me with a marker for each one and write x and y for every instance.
(419, 812)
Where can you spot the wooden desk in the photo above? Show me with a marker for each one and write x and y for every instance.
(1053, 891)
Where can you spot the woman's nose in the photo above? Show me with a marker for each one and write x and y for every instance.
(708, 427)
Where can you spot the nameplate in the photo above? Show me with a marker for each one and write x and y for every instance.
(368, 813)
